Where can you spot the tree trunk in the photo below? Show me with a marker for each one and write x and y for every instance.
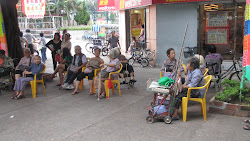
(12, 30)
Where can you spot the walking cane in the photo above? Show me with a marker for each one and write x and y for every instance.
(127, 74)
(99, 86)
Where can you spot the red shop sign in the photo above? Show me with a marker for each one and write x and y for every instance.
(127, 4)
(106, 5)
(175, 1)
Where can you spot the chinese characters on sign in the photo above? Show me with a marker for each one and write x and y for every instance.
(217, 36)
(34, 8)
(217, 19)
(106, 5)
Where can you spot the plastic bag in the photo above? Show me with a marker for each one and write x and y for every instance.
(165, 81)
(57, 58)
(110, 84)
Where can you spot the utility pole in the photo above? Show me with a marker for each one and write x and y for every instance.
(57, 11)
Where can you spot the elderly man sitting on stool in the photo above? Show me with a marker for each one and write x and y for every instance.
(125, 67)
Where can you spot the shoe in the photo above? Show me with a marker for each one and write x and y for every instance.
(70, 87)
(64, 85)
(133, 80)
(123, 82)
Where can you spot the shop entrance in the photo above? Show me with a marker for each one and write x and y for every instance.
(136, 20)
(219, 25)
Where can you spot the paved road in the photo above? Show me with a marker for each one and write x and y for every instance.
(61, 116)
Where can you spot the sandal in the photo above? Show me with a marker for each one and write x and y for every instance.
(247, 127)
(14, 95)
(247, 121)
(91, 93)
(74, 93)
(102, 96)
(19, 97)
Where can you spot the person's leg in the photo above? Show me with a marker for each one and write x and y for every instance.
(54, 61)
(69, 74)
(76, 87)
(78, 81)
(59, 67)
(30, 46)
(61, 71)
(24, 82)
(90, 77)
(73, 77)
(178, 102)
(131, 72)
(17, 76)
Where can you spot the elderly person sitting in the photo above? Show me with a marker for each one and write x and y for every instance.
(125, 67)
(113, 66)
(6, 64)
(79, 61)
(66, 60)
(94, 63)
(24, 63)
(28, 75)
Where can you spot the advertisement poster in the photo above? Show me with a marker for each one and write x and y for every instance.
(3, 43)
(217, 36)
(246, 44)
(34, 8)
(217, 19)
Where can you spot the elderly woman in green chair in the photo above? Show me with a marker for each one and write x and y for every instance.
(113, 66)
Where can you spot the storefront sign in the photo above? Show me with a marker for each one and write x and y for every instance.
(127, 4)
(3, 43)
(217, 36)
(175, 1)
(106, 5)
(246, 44)
(34, 8)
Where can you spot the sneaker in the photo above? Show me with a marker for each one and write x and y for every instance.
(70, 87)
(64, 85)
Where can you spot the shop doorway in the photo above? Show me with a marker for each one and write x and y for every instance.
(136, 19)
(219, 25)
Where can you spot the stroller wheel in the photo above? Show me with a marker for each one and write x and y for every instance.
(167, 119)
(150, 119)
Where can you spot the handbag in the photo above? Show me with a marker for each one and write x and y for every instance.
(23, 67)
(87, 70)
(57, 58)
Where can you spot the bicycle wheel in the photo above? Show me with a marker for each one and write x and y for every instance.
(89, 47)
(105, 51)
(144, 62)
(151, 58)
(93, 51)
(131, 61)
(236, 76)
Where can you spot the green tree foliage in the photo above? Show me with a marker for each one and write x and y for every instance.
(82, 17)
(112, 17)
(231, 92)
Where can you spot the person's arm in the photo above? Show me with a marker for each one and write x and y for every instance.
(69, 46)
(50, 43)
(33, 37)
(163, 67)
(141, 34)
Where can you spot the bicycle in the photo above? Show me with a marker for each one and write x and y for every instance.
(97, 43)
(137, 56)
